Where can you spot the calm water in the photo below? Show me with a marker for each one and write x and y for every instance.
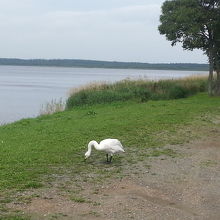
(23, 90)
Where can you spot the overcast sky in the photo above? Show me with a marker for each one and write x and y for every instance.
(119, 30)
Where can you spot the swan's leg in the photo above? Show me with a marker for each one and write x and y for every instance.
(107, 157)
(110, 159)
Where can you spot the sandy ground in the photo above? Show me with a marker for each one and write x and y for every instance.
(183, 187)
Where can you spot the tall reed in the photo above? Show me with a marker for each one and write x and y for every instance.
(139, 90)
(52, 107)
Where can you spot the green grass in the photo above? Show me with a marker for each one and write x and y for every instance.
(32, 151)
(14, 217)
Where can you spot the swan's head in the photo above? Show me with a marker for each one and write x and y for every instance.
(87, 154)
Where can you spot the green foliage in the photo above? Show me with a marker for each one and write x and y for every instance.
(195, 24)
(141, 91)
(177, 92)
(190, 22)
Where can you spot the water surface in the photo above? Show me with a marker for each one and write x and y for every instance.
(24, 89)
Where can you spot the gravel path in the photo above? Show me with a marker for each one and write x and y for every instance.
(186, 186)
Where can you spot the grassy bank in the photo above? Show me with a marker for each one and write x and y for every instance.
(139, 90)
(34, 148)
(36, 152)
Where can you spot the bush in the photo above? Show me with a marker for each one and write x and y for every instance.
(142, 93)
(177, 92)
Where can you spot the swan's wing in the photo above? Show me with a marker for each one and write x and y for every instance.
(118, 145)
(117, 149)
(111, 142)
(112, 146)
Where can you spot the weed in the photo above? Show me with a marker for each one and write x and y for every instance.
(33, 185)
(78, 199)
(208, 163)
(96, 203)
(96, 214)
(5, 200)
(14, 217)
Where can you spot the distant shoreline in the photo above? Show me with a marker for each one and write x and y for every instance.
(77, 63)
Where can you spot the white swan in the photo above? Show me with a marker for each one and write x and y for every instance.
(110, 146)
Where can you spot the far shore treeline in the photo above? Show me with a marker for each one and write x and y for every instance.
(103, 64)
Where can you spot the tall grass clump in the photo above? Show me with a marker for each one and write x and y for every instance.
(52, 107)
(139, 90)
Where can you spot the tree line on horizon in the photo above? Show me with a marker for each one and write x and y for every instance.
(103, 64)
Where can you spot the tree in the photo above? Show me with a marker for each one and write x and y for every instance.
(195, 24)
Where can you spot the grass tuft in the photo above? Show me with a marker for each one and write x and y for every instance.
(33, 185)
(78, 199)
(14, 217)
(53, 107)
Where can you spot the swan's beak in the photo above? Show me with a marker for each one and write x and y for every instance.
(85, 158)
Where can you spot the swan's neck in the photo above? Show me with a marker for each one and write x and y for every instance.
(93, 144)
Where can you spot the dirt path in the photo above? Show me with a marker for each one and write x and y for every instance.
(184, 187)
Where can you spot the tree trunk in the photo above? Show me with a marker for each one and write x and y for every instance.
(217, 87)
(217, 69)
(211, 77)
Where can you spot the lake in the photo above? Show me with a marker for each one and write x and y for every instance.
(24, 89)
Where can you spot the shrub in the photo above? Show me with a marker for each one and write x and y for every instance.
(177, 92)
(142, 93)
